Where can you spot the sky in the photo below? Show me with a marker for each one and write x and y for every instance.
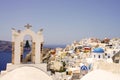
(63, 21)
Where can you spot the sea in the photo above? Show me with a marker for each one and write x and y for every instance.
(6, 56)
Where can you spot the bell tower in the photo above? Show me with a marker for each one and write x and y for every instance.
(17, 44)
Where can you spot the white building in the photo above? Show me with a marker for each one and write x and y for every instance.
(98, 53)
(101, 75)
(26, 73)
(32, 71)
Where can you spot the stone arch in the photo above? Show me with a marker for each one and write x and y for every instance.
(17, 44)
(28, 32)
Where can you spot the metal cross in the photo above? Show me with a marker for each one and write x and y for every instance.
(28, 26)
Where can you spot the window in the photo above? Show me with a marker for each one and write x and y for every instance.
(105, 54)
(98, 56)
(108, 56)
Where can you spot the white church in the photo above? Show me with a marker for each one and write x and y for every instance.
(17, 70)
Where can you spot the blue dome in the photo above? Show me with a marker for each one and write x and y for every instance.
(98, 50)
(84, 67)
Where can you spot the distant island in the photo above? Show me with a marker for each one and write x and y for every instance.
(5, 46)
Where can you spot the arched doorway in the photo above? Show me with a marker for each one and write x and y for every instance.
(18, 45)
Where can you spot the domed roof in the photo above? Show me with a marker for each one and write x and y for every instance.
(84, 67)
(98, 50)
(26, 73)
